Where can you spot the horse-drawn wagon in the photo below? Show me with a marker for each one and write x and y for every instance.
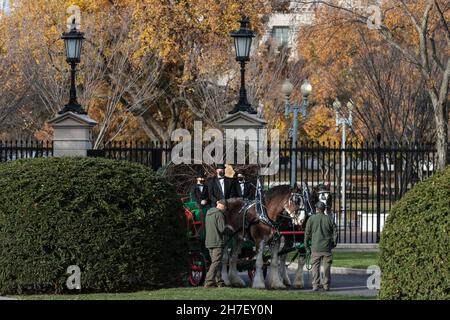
(259, 245)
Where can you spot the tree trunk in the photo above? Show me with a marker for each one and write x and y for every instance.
(441, 118)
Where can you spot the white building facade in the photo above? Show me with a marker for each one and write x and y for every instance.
(6, 6)
(283, 27)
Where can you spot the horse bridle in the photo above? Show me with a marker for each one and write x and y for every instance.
(297, 199)
(323, 197)
(321, 194)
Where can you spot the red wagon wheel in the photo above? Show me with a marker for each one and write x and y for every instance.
(197, 274)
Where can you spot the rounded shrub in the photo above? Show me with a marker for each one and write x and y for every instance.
(415, 243)
(119, 222)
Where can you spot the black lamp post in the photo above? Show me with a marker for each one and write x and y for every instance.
(73, 41)
(242, 43)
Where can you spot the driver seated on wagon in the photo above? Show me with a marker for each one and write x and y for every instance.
(199, 191)
(245, 189)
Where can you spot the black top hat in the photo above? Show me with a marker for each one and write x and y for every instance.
(240, 172)
(200, 174)
(220, 166)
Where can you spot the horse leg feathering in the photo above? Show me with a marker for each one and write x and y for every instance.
(235, 279)
(298, 282)
(225, 259)
(258, 279)
(283, 269)
(273, 280)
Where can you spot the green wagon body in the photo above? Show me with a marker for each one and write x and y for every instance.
(200, 258)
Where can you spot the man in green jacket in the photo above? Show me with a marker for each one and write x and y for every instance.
(214, 229)
(322, 232)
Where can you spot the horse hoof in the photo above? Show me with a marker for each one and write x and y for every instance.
(238, 285)
(299, 286)
(278, 286)
(258, 286)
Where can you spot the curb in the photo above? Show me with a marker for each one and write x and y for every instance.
(349, 271)
(334, 270)
(357, 247)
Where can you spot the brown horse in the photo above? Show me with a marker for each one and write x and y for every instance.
(281, 202)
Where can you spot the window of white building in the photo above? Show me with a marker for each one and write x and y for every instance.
(281, 35)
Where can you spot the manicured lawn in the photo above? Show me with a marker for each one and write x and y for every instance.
(358, 260)
(341, 259)
(201, 294)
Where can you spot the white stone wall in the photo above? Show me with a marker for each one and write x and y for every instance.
(6, 6)
(303, 14)
(291, 20)
(72, 140)
(72, 134)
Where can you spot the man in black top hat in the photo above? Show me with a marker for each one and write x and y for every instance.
(244, 188)
(221, 187)
(199, 191)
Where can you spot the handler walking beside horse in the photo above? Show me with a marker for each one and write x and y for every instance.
(214, 228)
(322, 232)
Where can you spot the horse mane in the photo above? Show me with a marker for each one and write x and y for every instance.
(277, 190)
(234, 203)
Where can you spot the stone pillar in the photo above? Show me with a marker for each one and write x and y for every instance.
(246, 123)
(72, 134)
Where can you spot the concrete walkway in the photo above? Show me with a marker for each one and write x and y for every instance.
(5, 298)
(344, 284)
(335, 270)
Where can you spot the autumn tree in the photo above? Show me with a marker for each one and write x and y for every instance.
(107, 72)
(418, 31)
(151, 63)
(352, 64)
(192, 37)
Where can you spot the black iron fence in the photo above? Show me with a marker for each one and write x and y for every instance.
(151, 154)
(12, 150)
(365, 180)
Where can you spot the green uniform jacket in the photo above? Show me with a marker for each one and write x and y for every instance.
(214, 228)
(322, 232)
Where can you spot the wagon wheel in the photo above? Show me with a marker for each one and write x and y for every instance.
(197, 272)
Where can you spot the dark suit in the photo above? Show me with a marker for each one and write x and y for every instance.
(215, 190)
(198, 195)
(249, 191)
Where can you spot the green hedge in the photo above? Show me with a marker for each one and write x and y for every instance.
(121, 223)
(415, 243)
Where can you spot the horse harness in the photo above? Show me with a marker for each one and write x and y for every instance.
(262, 216)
